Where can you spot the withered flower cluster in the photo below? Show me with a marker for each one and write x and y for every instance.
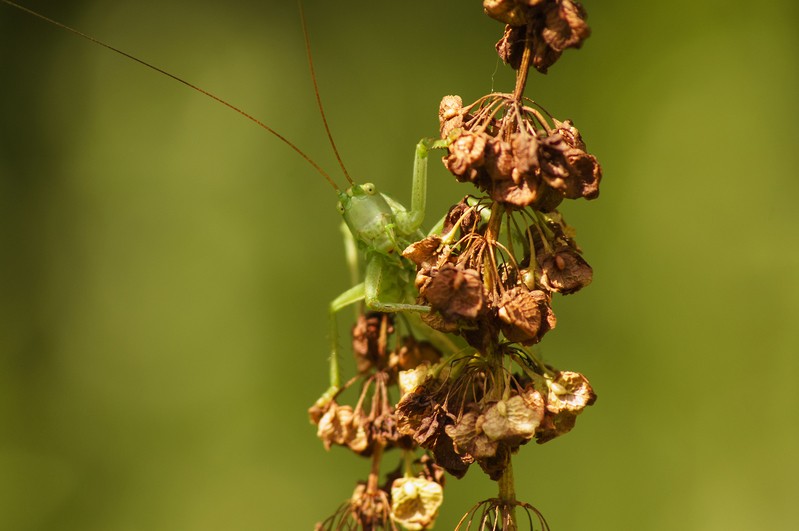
(550, 26)
(476, 413)
(478, 286)
(517, 155)
(370, 428)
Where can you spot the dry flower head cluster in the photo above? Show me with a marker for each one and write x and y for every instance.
(460, 385)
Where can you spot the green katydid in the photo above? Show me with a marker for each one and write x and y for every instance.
(378, 225)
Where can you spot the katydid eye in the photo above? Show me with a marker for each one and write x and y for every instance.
(369, 188)
(340, 208)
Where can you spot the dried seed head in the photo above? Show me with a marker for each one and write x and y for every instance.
(415, 502)
(564, 270)
(450, 116)
(421, 415)
(526, 315)
(466, 155)
(336, 426)
(515, 420)
(550, 25)
(455, 292)
(569, 394)
(565, 25)
(461, 216)
(468, 435)
(424, 252)
(570, 391)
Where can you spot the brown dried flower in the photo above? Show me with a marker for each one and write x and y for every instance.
(570, 391)
(515, 420)
(337, 426)
(564, 270)
(526, 315)
(455, 292)
(550, 25)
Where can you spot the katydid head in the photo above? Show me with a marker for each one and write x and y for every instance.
(368, 216)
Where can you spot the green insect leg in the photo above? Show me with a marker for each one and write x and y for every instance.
(379, 280)
(411, 220)
(351, 296)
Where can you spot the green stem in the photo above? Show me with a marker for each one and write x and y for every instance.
(507, 492)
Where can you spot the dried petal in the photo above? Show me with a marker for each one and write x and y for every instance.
(525, 156)
(461, 215)
(446, 457)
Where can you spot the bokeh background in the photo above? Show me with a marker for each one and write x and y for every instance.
(166, 265)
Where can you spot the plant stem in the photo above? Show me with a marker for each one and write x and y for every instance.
(374, 475)
(524, 68)
(507, 492)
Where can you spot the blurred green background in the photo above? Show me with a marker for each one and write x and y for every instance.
(166, 265)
